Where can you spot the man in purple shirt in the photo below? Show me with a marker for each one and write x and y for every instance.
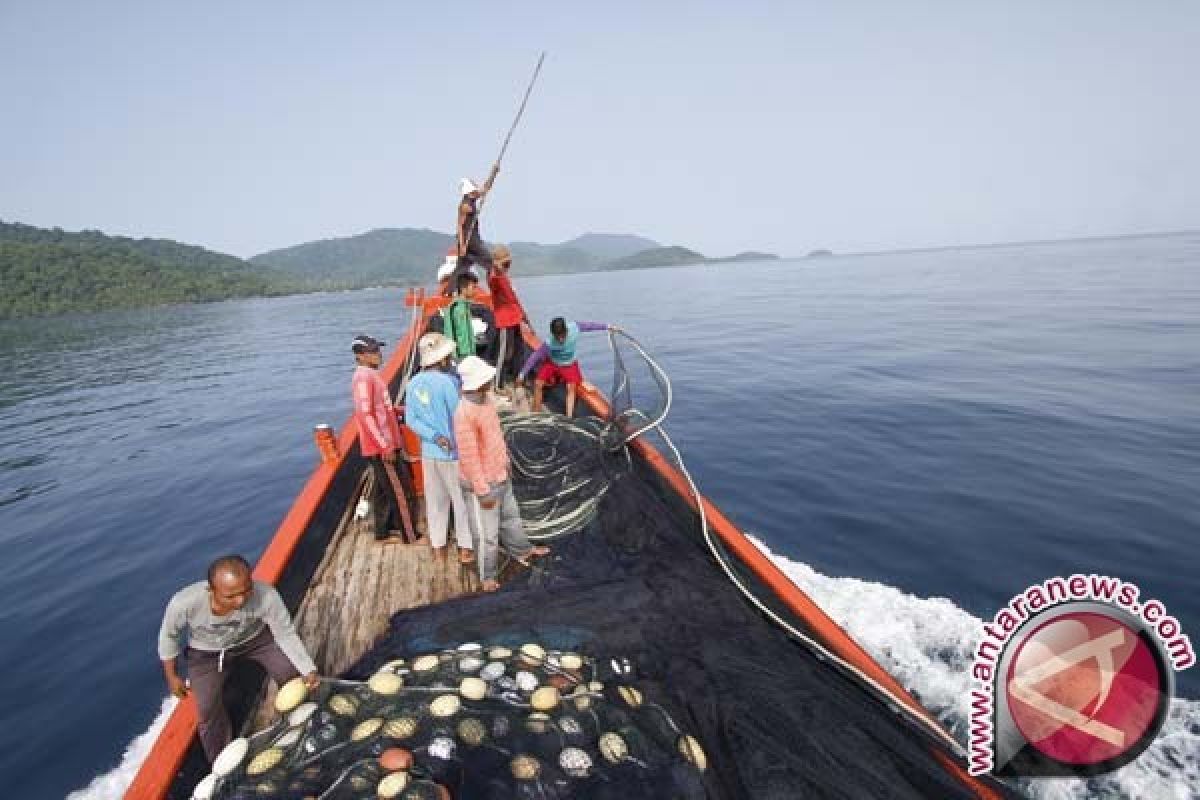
(557, 359)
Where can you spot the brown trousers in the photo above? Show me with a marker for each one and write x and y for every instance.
(207, 680)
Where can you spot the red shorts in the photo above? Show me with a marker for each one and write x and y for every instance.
(552, 374)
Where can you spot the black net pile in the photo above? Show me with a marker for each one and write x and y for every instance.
(636, 582)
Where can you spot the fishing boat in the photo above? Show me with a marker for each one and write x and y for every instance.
(657, 653)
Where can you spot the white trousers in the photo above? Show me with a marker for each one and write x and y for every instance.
(496, 527)
(442, 493)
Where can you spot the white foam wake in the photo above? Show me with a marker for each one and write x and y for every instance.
(926, 644)
(112, 784)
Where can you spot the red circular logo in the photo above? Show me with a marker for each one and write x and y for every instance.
(1085, 688)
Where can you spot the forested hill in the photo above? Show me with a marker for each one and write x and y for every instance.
(50, 271)
(412, 255)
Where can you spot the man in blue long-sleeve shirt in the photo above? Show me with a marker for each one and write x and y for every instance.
(429, 410)
(558, 355)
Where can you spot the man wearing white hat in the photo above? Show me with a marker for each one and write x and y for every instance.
(429, 410)
(468, 238)
(483, 470)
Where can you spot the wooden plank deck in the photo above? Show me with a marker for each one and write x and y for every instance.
(357, 588)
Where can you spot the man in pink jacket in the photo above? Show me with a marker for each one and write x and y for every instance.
(378, 435)
(483, 470)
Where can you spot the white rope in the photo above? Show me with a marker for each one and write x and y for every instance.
(417, 309)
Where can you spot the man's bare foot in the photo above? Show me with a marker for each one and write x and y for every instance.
(466, 555)
(539, 550)
(490, 586)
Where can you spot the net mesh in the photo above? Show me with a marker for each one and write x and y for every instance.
(657, 678)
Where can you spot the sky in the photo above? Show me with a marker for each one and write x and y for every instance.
(777, 126)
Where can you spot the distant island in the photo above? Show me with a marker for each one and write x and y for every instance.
(819, 253)
(51, 271)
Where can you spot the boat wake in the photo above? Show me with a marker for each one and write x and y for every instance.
(926, 643)
(112, 784)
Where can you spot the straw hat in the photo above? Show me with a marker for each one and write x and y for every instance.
(475, 372)
(500, 252)
(434, 347)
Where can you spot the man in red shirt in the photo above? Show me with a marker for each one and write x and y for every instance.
(508, 311)
(378, 438)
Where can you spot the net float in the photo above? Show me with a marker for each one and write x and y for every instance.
(230, 758)
(446, 705)
(545, 699)
(691, 750)
(396, 759)
(291, 695)
(473, 688)
(385, 683)
(366, 729)
(392, 785)
(264, 761)
(525, 768)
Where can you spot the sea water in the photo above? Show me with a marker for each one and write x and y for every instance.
(913, 437)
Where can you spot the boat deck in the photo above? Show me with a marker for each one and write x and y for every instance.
(359, 585)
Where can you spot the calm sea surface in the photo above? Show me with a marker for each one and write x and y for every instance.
(959, 423)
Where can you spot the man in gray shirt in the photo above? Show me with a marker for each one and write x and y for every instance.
(227, 618)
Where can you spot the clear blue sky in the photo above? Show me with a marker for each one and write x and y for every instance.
(722, 126)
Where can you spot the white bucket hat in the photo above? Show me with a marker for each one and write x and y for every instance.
(447, 268)
(434, 347)
(467, 186)
(475, 372)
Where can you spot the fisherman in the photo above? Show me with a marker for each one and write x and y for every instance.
(508, 311)
(432, 397)
(228, 618)
(378, 437)
(470, 325)
(558, 355)
(469, 247)
(456, 318)
(483, 470)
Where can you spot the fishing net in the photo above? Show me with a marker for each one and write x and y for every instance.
(629, 664)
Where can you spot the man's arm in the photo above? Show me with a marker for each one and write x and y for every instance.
(364, 412)
(469, 459)
(464, 209)
(414, 415)
(535, 358)
(170, 645)
(276, 615)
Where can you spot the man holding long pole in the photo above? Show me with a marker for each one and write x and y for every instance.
(469, 246)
